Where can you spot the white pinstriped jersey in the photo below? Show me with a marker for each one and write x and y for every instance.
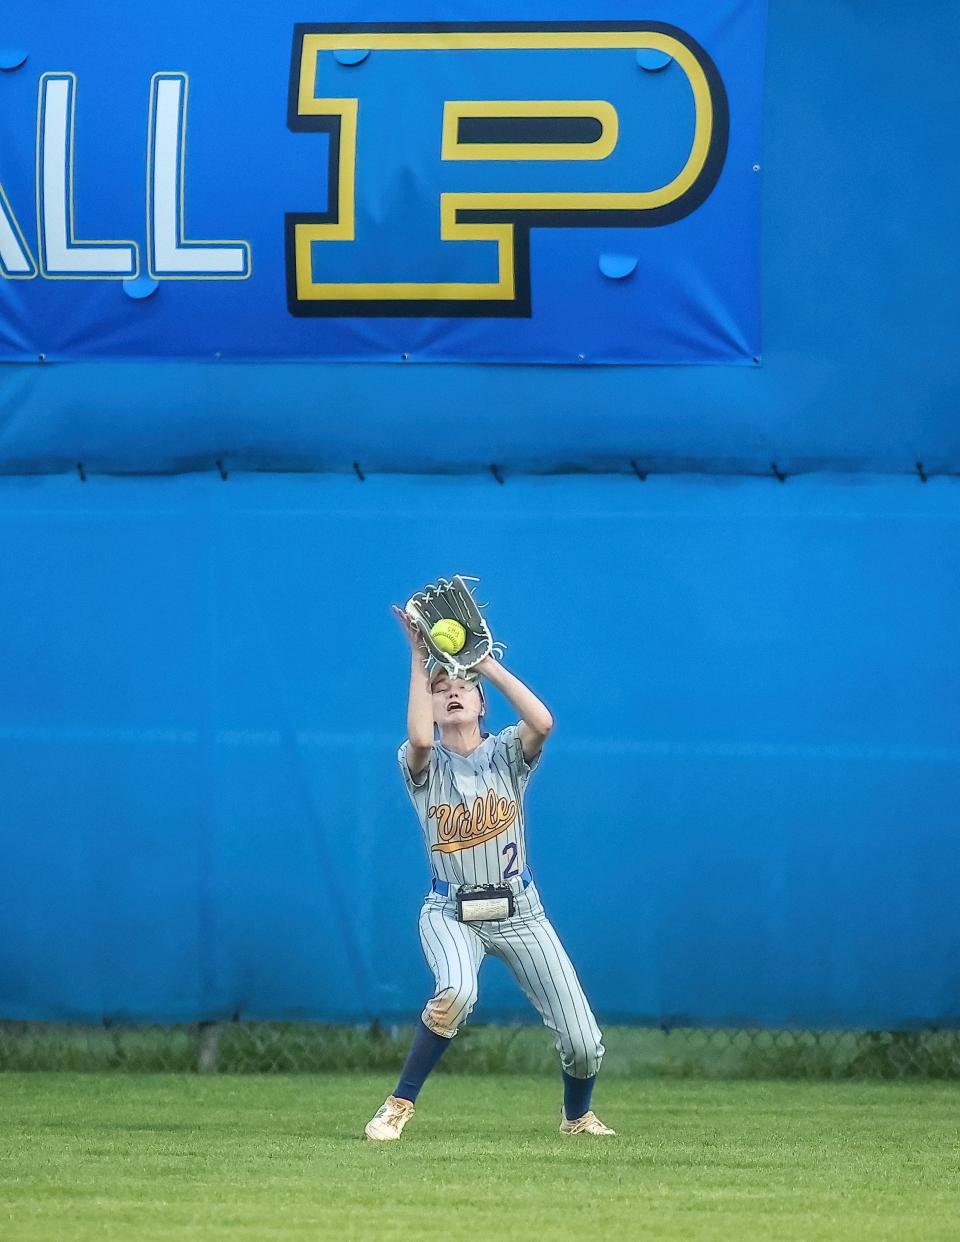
(470, 809)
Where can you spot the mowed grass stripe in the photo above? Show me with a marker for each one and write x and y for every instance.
(111, 1157)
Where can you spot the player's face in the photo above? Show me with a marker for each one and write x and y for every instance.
(455, 701)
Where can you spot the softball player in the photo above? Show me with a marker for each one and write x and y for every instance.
(467, 788)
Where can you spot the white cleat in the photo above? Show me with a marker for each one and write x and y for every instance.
(388, 1121)
(589, 1123)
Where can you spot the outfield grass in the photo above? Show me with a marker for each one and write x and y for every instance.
(119, 1158)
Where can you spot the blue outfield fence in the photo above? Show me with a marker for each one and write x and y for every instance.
(747, 814)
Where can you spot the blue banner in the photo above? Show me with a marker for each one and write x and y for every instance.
(240, 181)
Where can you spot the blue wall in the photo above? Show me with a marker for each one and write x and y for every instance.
(752, 790)
(748, 812)
(860, 313)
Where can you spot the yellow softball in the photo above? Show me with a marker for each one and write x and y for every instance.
(449, 636)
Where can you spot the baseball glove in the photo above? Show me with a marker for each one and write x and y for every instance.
(452, 600)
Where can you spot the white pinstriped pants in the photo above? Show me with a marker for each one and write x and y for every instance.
(529, 947)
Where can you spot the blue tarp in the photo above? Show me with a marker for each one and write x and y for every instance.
(747, 813)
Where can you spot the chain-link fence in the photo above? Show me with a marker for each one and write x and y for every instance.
(275, 1047)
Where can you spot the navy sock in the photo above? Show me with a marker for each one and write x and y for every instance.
(425, 1051)
(576, 1095)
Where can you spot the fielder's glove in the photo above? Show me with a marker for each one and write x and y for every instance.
(452, 600)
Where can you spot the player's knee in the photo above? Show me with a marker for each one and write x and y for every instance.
(446, 1012)
(582, 1053)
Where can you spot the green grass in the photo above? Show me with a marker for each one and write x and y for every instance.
(125, 1158)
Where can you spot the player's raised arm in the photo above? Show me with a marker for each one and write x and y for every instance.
(420, 702)
(535, 719)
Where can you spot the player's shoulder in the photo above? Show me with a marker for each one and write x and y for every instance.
(510, 745)
(404, 749)
(419, 780)
(506, 739)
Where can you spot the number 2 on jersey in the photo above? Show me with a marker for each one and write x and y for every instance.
(511, 868)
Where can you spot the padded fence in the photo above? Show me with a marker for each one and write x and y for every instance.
(743, 613)
(746, 817)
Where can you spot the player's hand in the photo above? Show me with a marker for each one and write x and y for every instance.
(410, 631)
